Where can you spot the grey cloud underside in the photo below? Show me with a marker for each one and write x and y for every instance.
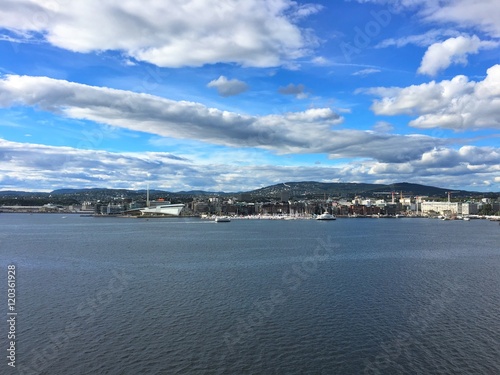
(292, 89)
(310, 131)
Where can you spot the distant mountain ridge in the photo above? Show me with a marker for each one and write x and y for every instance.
(308, 189)
(311, 188)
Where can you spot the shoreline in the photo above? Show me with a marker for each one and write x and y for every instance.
(257, 217)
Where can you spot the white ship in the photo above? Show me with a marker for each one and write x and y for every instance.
(326, 216)
(222, 219)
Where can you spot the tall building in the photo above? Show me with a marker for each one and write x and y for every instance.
(469, 208)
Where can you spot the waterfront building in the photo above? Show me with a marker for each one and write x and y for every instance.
(469, 208)
(112, 209)
(443, 208)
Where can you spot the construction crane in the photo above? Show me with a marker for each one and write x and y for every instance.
(450, 193)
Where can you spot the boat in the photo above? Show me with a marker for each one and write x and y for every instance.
(326, 216)
(222, 219)
(163, 209)
(466, 219)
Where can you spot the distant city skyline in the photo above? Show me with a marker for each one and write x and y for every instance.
(238, 95)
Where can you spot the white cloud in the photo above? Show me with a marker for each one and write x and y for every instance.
(457, 104)
(440, 56)
(228, 87)
(381, 169)
(483, 15)
(176, 33)
(422, 40)
(321, 61)
(309, 131)
(305, 10)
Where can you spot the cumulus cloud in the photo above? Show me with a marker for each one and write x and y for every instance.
(457, 104)
(309, 131)
(483, 15)
(176, 33)
(321, 61)
(466, 155)
(291, 89)
(40, 167)
(440, 56)
(228, 87)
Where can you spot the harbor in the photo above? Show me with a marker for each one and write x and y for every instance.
(292, 201)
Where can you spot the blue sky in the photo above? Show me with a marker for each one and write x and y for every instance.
(235, 95)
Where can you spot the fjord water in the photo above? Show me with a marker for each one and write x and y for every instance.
(187, 296)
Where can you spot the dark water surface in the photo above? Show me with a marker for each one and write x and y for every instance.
(186, 296)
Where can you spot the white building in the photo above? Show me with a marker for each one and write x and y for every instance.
(443, 208)
(469, 208)
(405, 201)
(367, 202)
